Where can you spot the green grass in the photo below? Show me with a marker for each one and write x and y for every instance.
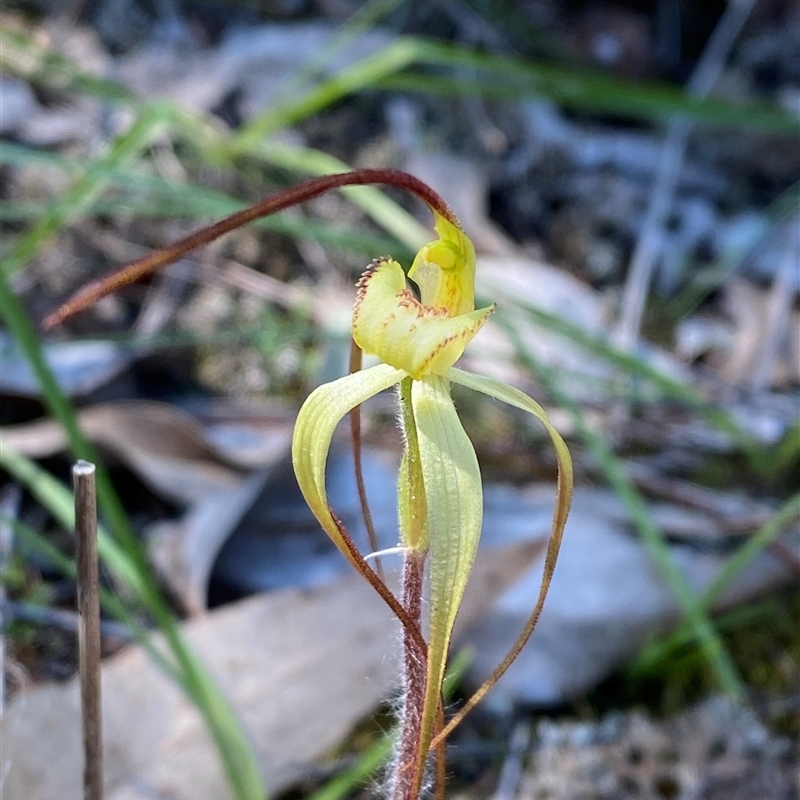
(661, 651)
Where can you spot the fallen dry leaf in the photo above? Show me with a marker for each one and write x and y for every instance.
(167, 447)
(184, 551)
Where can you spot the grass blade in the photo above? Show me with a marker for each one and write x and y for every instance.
(515, 78)
(660, 651)
(85, 190)
(109, 602)
(633, 365)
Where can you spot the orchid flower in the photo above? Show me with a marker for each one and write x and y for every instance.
(418, 326)
(418, 338)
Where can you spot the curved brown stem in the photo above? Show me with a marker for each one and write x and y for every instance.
(284, 199)
(409, 626)
(551, 556)
(356, 360)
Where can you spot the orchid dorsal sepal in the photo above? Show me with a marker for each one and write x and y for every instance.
(420, 339)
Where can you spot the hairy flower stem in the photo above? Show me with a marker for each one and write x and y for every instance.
(409, 763)
(406, 780)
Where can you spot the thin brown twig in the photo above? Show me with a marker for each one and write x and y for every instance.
(83, 477)
(356, 359)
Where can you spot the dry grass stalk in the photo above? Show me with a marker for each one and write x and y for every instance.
(83, 477)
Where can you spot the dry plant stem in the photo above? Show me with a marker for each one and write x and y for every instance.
(356, 360)
(648, 245)
(287, 198)
(409, 626)
(406, 780)
(83, 476)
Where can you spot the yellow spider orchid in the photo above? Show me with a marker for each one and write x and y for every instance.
(440, 504)
(418, 338)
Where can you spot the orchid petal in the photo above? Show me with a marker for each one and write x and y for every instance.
(325, 407)
(389, 322)
(454, 495)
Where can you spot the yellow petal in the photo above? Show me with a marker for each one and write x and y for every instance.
(389, 322)
(454, 505)
(313, 431)
(444, 270)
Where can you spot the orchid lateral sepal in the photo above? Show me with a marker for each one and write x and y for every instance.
(324, 408)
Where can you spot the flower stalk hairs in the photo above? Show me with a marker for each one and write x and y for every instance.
(418, 325)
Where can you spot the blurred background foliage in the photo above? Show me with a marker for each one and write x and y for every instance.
(551, 126)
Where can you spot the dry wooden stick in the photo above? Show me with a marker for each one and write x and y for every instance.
(83, 479)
